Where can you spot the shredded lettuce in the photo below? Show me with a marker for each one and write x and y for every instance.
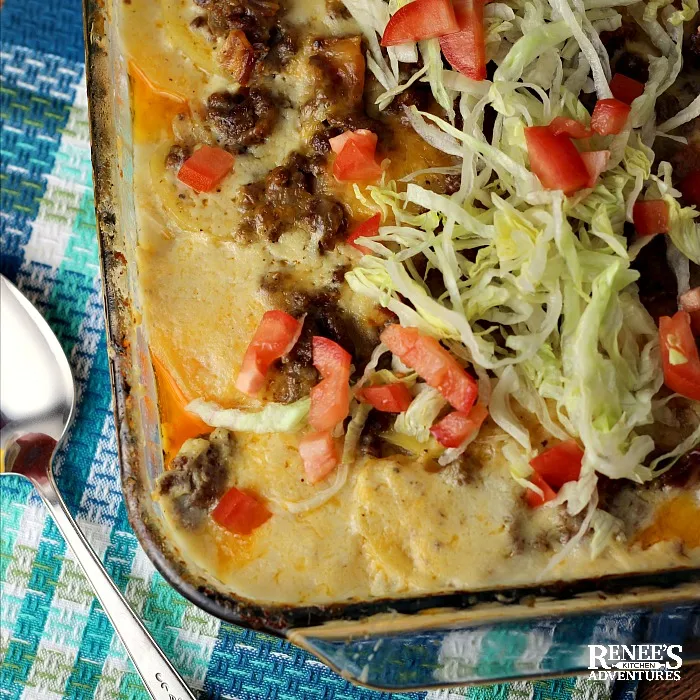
(403, 53)
(273, 418)
(358, 418)
(684, 229)
(670, 458)
(538, 287)
(554, 277)
(501, 411)
(432, 60)
(606, 529)
(519, 466)
(421, 414)
(692, 111)
(529, 47)
(369, 370)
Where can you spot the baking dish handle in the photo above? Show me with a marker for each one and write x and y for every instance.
(489, 653)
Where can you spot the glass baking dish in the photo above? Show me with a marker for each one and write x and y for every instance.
(391, 644)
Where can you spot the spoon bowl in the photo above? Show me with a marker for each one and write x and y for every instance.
(37, 402)
(37, 394)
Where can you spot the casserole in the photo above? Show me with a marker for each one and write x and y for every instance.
(142, 462)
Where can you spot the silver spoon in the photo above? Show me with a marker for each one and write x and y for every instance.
(37, 399)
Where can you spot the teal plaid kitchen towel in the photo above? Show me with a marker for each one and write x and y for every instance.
(55, 641)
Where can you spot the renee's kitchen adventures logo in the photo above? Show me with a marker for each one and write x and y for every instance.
(650, 662)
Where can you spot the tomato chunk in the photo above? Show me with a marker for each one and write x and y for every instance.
(465, 50)
(432, 362)
(609, 116)
(365, 230)
(421, 19)
(354, 160)
(330, 398)
(365, 140)
(329, 358)
(355, 164)
(534, 500)
(555, 160)
(319, 454)
(206, 168)
(240, 512)
(390, 398)
(690, 188)
(457, 426)
(690, 302)
(570, 127)
(650, 217)
(276, 335)
(595, 162)
(559, 464)
(625, 89)
(679, 355)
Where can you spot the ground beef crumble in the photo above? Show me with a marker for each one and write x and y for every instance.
(241, 119)
(291, 196)
(198, 477)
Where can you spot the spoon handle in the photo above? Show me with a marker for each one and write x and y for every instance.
(161, 680)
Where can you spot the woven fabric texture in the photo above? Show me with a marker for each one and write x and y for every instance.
(55, 641)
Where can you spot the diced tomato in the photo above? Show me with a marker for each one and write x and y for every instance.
(329, 403)
(355, 156)
(679, 355)
(690, 187)
(555, 160)
(276, 335)
(330, 398)
(625, 89)
(319, 454)
(457, 426)
(559, 464)
(421, 19)
(432, 362)
(240, 512)
(609, 116)
(329, 358)
(355, 164)
(690, 302)
(650, 217)
(595, 162)
(365, 140)
(534, 500)
(206, 168)
(390, 398)
(465, 50)
(570, 127)
(365, 230)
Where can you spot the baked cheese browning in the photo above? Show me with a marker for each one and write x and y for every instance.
(283, 87)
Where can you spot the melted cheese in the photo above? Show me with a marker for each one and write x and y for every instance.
(397, 527)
